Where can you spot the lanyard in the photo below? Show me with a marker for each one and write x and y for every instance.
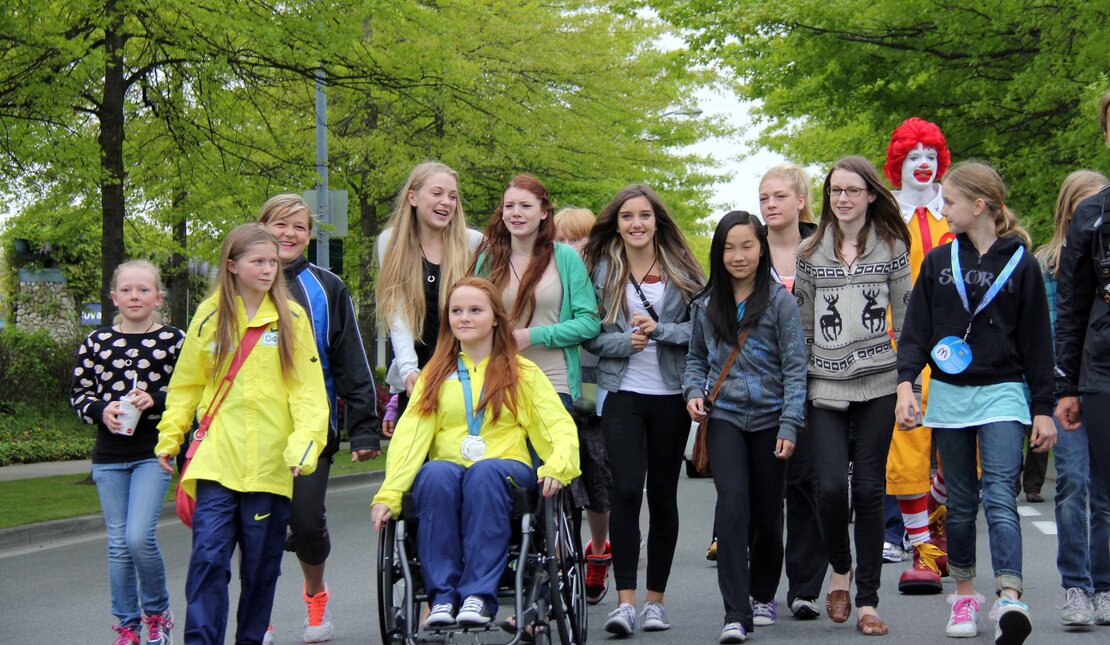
(999, 282)
(473, 424)
(643, 298)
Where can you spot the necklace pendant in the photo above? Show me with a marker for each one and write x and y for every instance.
(431, 279)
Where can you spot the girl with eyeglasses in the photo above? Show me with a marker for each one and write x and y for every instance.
(849, 273)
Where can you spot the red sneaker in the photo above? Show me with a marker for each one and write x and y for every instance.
(597, 573)
(924, 576)
(937, 515)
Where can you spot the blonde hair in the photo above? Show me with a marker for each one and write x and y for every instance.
(1076, 186)
(237, 243)
(146, 266)
(978, 180)
(399, 291)
(574, 223)
(284, 206)
(799, 183)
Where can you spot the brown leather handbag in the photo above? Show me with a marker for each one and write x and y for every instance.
(700, 457)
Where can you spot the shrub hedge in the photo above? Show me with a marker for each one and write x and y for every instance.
(36, 422)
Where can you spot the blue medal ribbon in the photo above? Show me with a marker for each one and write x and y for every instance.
(473, 423)
(999, 282)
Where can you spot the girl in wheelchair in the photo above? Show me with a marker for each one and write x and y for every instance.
(463, 445)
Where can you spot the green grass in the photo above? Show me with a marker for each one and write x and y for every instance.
(41, 499)
(34, 433)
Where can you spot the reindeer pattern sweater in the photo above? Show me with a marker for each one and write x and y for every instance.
(844, 317)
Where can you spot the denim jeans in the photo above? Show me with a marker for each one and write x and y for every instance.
(1000, 446)
(1076, 482)
(131, 496)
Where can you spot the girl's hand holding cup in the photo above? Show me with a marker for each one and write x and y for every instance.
(140, 399)
(109, 417)
(696, 409)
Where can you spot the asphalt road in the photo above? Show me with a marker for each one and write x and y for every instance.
(58, 592)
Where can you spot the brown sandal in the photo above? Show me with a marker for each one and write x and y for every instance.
(838, 605)
(871, 625)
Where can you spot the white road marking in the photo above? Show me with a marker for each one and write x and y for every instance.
(1046, 527)
(1028, 511)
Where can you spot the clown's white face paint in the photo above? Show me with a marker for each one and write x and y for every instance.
(919, 174)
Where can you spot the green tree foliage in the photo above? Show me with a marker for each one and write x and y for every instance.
(1013, 82)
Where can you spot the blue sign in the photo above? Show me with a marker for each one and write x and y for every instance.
(90, 315)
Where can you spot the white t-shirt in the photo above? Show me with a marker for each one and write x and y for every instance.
(642, 375)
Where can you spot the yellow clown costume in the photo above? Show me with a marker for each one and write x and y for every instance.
(908, 464)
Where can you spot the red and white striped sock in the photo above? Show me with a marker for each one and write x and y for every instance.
(937, 490)
(915, 515)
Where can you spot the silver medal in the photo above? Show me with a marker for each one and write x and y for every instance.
(473, 448)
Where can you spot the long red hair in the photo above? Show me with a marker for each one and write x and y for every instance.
(497, 250)
(502, 373)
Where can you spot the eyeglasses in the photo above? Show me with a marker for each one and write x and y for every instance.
(854, 191)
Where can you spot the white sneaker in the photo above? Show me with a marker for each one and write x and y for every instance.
(1102, 608)
(622, 620)
(733, 633)
(442, 615)
(1076, 610)
(269, 638)
(805, 609)
(893, 553)
(964, 620)
(1013, 624)
(652, 619)
(473, 613)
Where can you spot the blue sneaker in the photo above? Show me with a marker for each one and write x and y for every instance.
(158, 628)
(1013, 623)
(765, 613)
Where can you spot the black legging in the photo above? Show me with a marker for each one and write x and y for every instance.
(750, 482)
(868, 426)
(645, 436)
(806, 560)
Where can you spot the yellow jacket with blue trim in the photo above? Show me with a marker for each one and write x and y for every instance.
(540, 419)
(265, 424)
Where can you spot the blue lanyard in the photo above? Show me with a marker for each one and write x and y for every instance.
(473, 424)
(999, 282)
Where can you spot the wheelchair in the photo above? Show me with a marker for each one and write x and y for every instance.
(545, 578)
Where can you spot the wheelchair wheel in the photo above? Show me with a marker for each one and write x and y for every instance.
(395, 607)
(565, 570)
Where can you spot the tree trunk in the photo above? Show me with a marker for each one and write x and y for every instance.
(178, 270)
(111, 156)
(368, 227)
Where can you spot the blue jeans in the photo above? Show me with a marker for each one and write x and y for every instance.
(1000, 446)
(131, 496)
(466, 511)
(1076, 482)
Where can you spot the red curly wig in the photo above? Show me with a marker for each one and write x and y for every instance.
(905, 138)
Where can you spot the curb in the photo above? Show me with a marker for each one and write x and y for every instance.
(39, 533)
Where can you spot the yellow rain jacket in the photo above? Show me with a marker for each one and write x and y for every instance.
(265, 425)
(540, 419)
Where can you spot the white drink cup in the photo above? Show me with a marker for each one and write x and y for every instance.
(128, 417)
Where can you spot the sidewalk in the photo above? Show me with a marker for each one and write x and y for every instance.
(43, 532)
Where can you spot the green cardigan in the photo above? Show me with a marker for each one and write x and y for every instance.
(578, 319)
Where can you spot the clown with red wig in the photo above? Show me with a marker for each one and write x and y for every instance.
(915, 159)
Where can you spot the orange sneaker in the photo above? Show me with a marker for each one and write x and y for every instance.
(317, 627)
(597, 573)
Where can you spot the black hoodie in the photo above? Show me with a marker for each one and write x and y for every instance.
(1011, 340)
(351, 375)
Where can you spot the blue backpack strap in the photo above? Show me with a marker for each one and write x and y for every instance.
(319, 313)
